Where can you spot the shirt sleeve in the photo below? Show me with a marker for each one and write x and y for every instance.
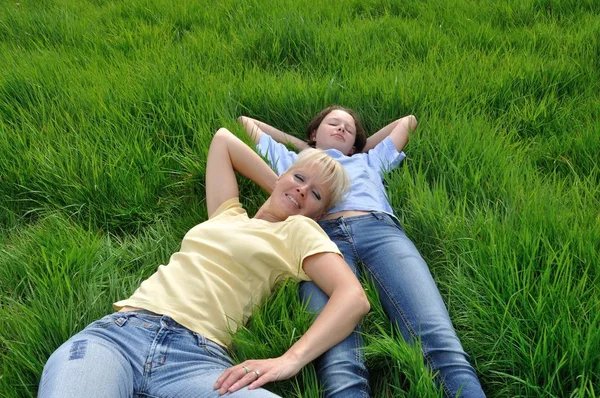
(310, 239)
(385, 157)
(233, 205)
(277, 154)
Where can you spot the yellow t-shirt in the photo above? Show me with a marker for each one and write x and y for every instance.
(225, 267)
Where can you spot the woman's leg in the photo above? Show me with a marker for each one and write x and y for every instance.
(185, 364)
(341, 369)
(88, 365)
(411, 299)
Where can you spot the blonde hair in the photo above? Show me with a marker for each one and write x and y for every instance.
(331, 172)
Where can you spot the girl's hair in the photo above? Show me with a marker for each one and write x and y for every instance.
(361, 138)
(331, 172)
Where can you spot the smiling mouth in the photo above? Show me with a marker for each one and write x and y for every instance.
(293, 200)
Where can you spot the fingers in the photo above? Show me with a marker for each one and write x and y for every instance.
(255, 374)
(262, 379)
(254, 379)
(238, 377)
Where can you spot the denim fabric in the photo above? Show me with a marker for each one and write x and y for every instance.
(410, 298)
(137, 354)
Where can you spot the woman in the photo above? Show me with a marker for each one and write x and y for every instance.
(169, 337)
(365, 229)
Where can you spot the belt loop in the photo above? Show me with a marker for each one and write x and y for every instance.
(200, 339)
(377, 215)
(121, 321)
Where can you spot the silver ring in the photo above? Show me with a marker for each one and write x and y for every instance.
(246, 369)
(257, 373)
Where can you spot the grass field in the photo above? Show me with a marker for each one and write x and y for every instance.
(107, 109)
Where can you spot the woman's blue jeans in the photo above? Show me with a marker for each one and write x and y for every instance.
(410, 298)
(137, 354)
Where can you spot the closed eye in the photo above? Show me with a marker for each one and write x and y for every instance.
(299, 177)
(317, 195)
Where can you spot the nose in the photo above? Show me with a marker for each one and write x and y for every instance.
(301, 191)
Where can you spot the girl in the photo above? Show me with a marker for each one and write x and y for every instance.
(365, 230)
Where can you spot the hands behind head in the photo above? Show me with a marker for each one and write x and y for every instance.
(256, 373)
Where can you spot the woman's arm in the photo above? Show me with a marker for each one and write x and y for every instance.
(346, 306)
(228, 154)
(408, 124)
(255, 128)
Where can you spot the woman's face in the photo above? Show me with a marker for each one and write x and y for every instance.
(336, 131)
(300, 191)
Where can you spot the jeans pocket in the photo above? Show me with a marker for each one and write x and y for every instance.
(390, 221)
(104, 322)
(143, 320)
(333, 230)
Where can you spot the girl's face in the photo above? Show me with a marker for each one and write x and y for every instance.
(336, 131)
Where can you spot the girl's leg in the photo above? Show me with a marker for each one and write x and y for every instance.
(411, 299)
(341, 369)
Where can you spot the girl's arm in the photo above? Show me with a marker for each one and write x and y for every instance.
(255, 128)
(346, 306)
(408, 124)
(228, 154)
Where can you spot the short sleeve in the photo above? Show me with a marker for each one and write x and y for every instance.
(385, 157)
(229, 206)
(277, 154)
(310, 239)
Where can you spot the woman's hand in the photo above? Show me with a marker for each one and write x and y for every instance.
(226, 155)
(256, 373)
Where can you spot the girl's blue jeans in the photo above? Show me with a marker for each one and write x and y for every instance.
(137, 354)
(410, 298)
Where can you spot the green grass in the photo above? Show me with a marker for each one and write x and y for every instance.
(107, 110)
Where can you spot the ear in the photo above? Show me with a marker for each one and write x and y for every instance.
(313, 135)
(352, 150)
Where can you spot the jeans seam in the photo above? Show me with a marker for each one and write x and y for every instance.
(397, 307)
(362, 369)
(428, 359)
(346, 237)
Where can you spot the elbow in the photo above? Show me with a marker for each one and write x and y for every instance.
(366, 306)
(222, 137)
(355, 301)
(412, 122)
(361, 303)
(222, 134)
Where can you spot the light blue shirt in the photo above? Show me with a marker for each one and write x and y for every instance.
(365, 171)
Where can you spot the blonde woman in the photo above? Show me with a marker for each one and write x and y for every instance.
(170, 337)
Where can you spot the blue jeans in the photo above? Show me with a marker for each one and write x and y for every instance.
(410, 298)
(137, 354)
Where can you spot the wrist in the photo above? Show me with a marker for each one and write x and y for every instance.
(296, 357)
